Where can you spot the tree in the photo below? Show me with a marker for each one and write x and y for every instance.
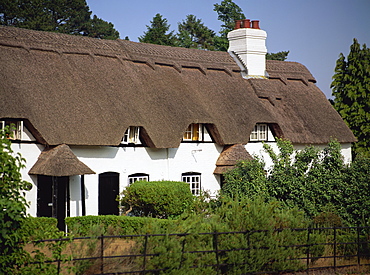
(157, 32)
(351, 91)
(12, 204)
(193, 34)
(227, 12)
(281, 56)
(72, 17)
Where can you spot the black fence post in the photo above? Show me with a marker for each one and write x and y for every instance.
(182, 251)
(145, 248)
(215, 247)
(335, 248)
(358, 246)
(308, 250)
(102, 254)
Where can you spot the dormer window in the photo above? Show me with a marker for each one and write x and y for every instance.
(259, 133)
(15, 126)
(194, 132)
(131, 135)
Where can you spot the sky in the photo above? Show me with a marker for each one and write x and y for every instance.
(314, 31)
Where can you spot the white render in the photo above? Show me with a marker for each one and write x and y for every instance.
(159, 164)
(249, 45)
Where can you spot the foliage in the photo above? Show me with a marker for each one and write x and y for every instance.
(157, 32)
(228, 12)
(255, 218)
(72, 17)
(12, 204)
(193, 34)
(124, 225)
(281, 56)
(159, 199)
(248, 178)
(351, 91)
(316, 181)
(356, 197)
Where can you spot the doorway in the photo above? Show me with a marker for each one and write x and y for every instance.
(108, 192)
(53, 198)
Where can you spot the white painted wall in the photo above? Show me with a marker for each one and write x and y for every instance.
(159, 164)
(30, 152)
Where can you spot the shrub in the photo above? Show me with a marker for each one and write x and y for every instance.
(12, 205)
(38, 228)
(257, 247)
(159, 199)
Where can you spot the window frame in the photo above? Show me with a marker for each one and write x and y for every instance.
(19, 128)
(259, 132)
(131, 135)
(194, 132)
(137, 177)
(195, 186)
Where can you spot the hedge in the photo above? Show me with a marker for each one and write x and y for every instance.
(122, 225)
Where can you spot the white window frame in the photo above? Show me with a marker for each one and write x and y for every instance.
(190, 132)
(137, 177)
(131, 135)
(194, 181)
(259, 132)
(17, 133)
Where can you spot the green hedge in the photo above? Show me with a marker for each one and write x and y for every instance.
(157, 199)
(38, 228)
(122, 225)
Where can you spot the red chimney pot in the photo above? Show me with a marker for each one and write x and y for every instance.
(255, 24)
(246, 23)
(238, 24)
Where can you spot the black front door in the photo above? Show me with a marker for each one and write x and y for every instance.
(108, 192)
(53, 198)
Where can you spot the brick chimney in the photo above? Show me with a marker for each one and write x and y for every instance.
(247, 47)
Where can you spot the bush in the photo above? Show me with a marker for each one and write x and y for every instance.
(257, 247)
(159, 199)
(12, 205)
(311, 179)
(38, 228)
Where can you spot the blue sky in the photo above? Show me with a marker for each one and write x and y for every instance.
(314, 31)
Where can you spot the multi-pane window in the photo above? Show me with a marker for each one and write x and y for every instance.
(259, 132)
(194, 132)
(136, 177)
(15, 126)
(131, 135)
(193, 179)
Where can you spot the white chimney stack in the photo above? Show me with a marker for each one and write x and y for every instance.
(247, 47)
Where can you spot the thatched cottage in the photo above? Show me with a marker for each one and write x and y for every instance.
(93, 116)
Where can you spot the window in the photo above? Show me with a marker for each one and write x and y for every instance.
(131, 135)
(136, 177)
(259, 132)
(16, 127)
(194, 132)
(194, 182)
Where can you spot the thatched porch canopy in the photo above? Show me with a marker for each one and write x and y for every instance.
(58, 162)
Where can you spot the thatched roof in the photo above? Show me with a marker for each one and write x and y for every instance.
(59, 161)
(229, 156)
(84, 91)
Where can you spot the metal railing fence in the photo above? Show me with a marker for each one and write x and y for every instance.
(245, 252)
